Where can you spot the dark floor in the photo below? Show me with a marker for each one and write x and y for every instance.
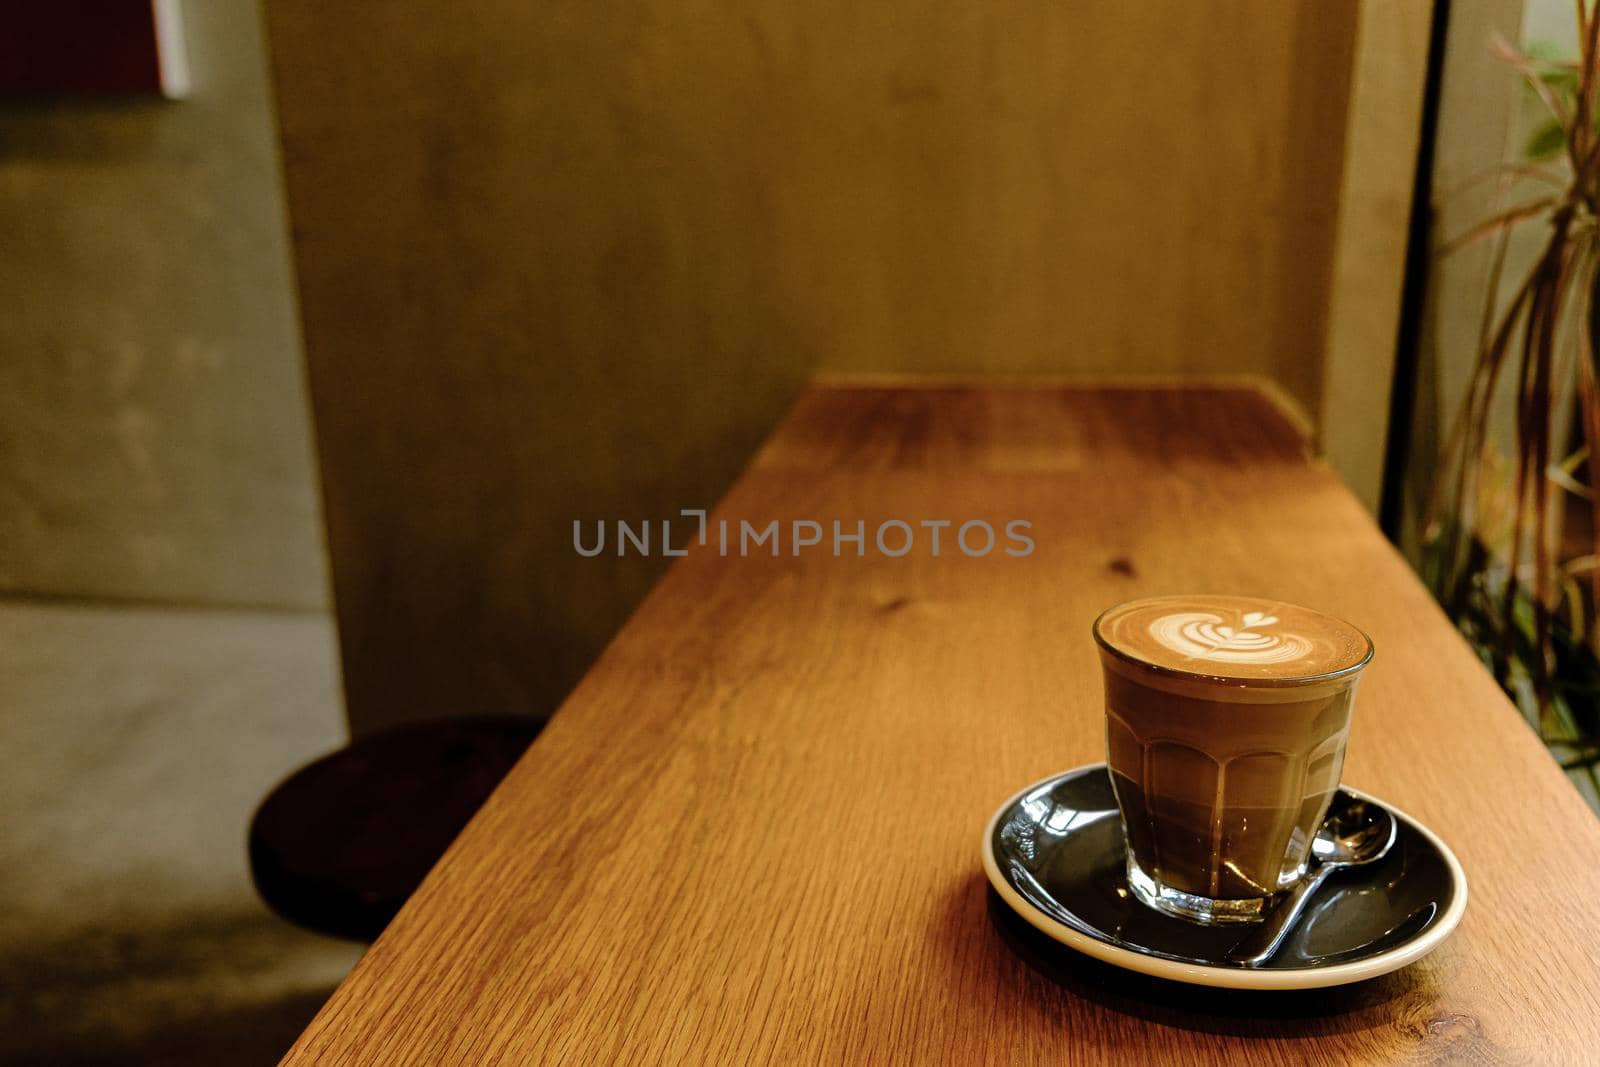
(136, 745)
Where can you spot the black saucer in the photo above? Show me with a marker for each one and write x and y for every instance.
(1055, 854)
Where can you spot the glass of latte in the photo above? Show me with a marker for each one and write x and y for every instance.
(1226, 722)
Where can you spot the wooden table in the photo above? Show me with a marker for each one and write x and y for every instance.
(751, 834)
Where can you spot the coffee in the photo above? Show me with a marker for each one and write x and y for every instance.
(1226, 721)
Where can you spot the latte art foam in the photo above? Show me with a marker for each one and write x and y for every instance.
(1203, 635)
(1229, 636)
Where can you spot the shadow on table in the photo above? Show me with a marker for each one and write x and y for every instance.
(1238, 1012)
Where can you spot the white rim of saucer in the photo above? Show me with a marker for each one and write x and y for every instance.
(1231, 977)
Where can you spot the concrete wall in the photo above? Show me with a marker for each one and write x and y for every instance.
(571, 260)
(540, 283)
(154, 437)
(1082, 189)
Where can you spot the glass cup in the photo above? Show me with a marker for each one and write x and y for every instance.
(1225, 748)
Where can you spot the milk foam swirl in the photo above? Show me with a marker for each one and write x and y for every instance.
(1203, 635)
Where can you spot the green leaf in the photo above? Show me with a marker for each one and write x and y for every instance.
(1564, 83)
(1547, 142)
(1554, 67)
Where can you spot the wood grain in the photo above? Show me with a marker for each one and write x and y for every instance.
(751, 835)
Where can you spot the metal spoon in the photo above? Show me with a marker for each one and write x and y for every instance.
(1356, 832)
